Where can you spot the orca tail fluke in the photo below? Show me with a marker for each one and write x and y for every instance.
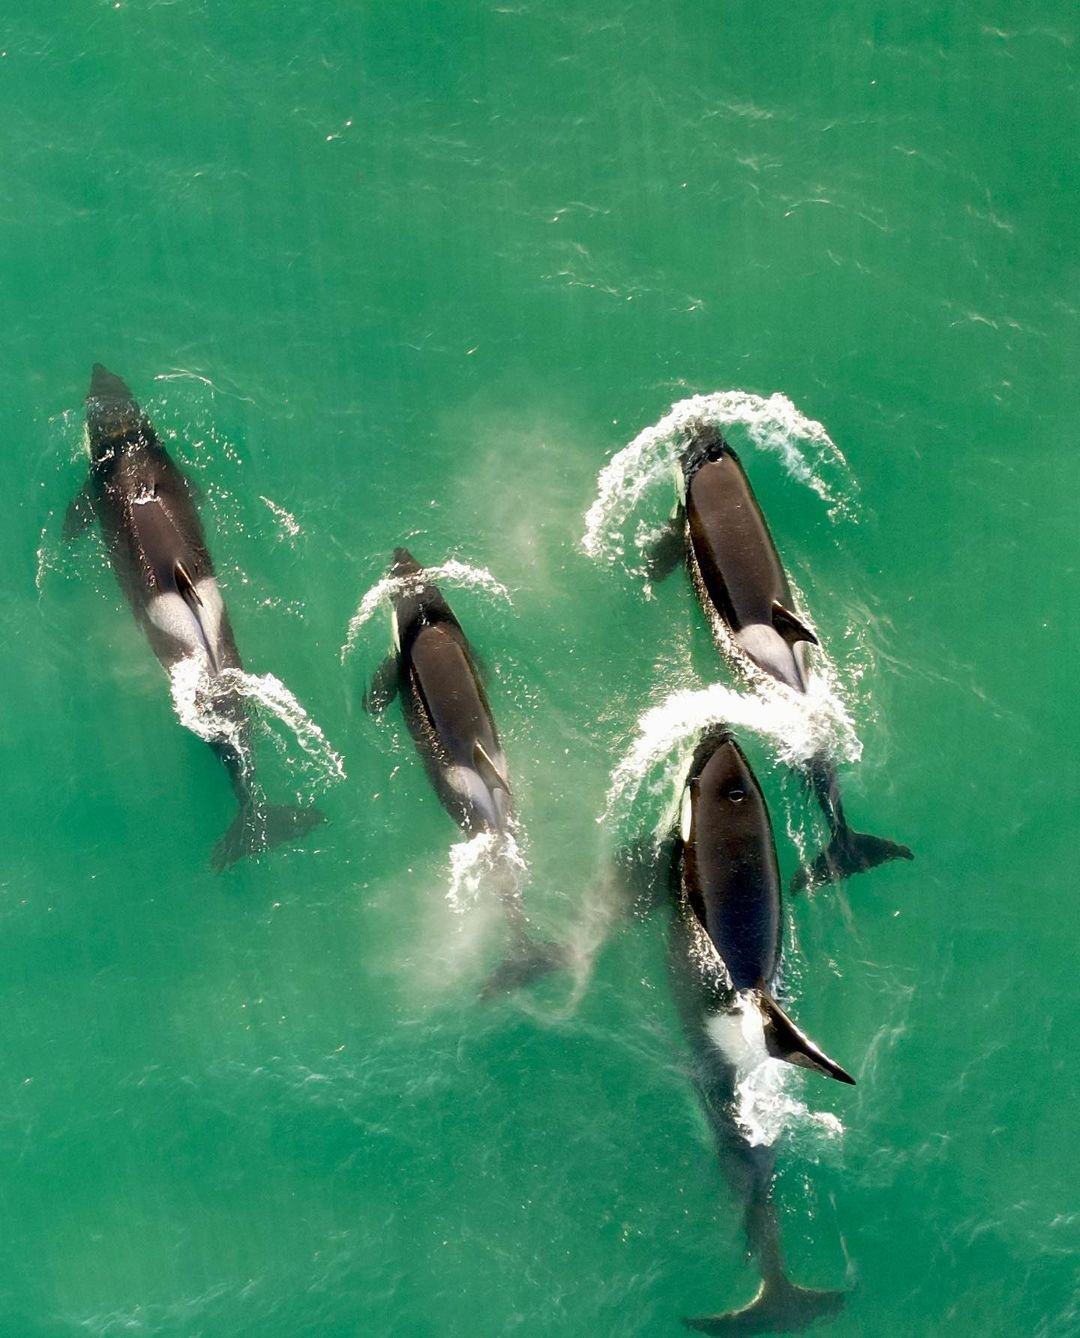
(847, 853)
(779, 1307)
(526, 961)
(259, 827)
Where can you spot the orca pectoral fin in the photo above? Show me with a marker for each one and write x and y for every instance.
(779, 1307)
(790, 627)
(383, 687)
(486, 769)
(668, 549)
(79, 515)
(785, 1041)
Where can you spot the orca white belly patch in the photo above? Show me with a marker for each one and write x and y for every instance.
(472, 789)
(196, 629)
(767, 648)
(211, 612)
(739, 1035)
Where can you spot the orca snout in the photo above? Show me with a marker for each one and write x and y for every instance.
(727, 769)
(704, 443)
(717, 750)
(112, 412)
(106, 386)
(404, 564)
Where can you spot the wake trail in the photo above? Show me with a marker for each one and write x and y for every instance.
(201, 700)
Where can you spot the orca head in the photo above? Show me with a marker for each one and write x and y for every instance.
(722, 777)
(713, 739)
(113, 416)
(705, 445)
(407, 599)
(404, 564)
(722, 808)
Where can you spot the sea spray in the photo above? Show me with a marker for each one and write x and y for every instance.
(288, 525)
(774, 424)
(385, 590)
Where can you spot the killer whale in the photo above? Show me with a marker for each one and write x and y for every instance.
(720, 531)
(723, 954)
(146, 507)
(434, 670)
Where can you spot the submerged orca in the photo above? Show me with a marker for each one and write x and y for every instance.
(724, 952)
(146, 508)
(719, 528)
(447, 711)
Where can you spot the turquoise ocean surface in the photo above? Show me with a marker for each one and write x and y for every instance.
(417, 273)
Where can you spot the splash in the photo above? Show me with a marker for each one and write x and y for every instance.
(488, 861)
(386, 590)
(806, 450)
(766, 1105)
(202, 701)
(796, 725)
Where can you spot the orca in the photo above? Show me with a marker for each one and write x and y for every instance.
(434, 670)
(719, 529)
(724, 954)
(146, 507)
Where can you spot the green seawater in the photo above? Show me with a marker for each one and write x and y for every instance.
(415, 272)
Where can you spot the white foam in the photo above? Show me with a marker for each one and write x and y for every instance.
(197, 695)
(765, 1104)
(774, 424)
(490, 861)
(47, 559)
(796, 725)
(384, 591)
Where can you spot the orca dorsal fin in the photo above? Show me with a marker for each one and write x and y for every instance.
(785, 1041)
(486, 769)
(791, 627)
(186, 586)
